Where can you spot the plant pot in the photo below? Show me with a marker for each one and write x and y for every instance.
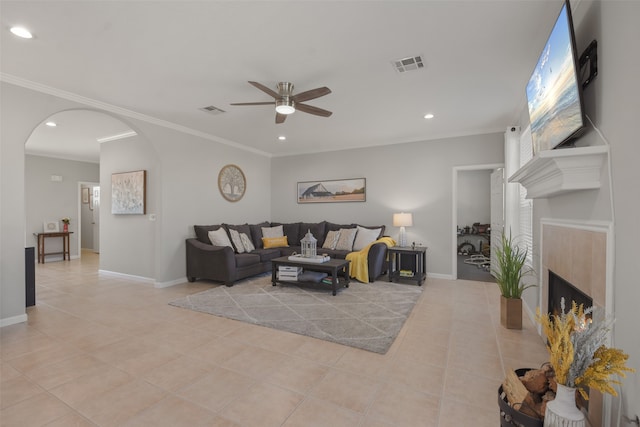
(511, 312)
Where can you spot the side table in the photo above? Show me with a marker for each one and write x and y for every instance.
(65, 245)
(415, 260)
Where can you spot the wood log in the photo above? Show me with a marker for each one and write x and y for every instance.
(529, 406)
(515, 391)
(536, 381)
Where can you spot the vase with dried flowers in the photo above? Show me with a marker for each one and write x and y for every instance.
(580, 360)
(65, 223)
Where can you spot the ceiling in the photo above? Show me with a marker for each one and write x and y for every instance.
(164, 60)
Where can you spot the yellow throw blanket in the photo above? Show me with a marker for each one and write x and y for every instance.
(359, 267)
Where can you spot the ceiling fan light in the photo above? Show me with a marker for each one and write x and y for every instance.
(285, 107)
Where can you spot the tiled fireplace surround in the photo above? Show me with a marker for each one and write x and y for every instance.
(579, 252)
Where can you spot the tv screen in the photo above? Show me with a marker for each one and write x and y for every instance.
(554, 94)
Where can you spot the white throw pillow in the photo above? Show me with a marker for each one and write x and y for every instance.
(237, 242)
(345, 241)
(365, 237)
(247, 243)
(276, 231)
(219, 238)
(331, 240)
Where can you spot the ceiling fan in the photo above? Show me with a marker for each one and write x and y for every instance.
(287, 103)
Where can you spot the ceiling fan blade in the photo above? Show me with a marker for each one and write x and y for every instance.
(254, 103)
(266, 89)
(280, 118)
(311, 94)
(313, 110)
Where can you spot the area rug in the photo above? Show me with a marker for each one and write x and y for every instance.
(364, 315)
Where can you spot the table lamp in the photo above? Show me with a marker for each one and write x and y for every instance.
(402, 220)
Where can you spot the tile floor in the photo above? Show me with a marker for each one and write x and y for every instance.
(104, 351)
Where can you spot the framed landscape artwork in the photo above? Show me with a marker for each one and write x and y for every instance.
(129, 193)
(333, 191)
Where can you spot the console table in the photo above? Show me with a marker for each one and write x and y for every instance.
(417, 268)
(65, 245)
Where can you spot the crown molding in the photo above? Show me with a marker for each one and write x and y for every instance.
(70, 96)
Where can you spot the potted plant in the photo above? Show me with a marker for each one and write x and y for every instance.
(510, 269)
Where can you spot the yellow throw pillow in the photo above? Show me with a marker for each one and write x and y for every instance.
(275, 242)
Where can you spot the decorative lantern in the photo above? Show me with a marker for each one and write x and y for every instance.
(309, 244)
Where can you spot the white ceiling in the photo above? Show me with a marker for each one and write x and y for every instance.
(167, 59)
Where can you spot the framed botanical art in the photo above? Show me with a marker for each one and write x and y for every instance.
(129, 193)
(333, 191)
(232, 183)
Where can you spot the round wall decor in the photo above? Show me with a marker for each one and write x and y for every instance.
(232, 183)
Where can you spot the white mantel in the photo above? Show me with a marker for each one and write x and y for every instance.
(554, 172)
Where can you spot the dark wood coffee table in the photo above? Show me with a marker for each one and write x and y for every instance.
(338, 269)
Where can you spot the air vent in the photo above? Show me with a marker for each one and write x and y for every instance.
(212, 110)
(408, 64)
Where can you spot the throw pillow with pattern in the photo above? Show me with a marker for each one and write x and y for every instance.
(347, 236)
(331, 240)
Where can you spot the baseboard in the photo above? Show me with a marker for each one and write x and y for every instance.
(13, 320)
(440, 276)
(170, 283)
(127, 276)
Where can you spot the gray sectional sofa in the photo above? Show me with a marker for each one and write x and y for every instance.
(225, 264)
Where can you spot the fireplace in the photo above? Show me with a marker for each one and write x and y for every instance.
(578, 254)
(560, 288)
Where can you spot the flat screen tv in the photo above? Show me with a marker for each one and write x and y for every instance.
(554, 93)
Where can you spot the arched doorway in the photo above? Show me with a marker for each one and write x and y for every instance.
(62, 158)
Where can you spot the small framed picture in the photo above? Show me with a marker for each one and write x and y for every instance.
(85, 195)
(51, 227)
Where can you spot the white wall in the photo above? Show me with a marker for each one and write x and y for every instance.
(413, 177)
(128, 242)
(612, 103)
(53, 200)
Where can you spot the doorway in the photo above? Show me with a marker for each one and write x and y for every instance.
(471, 219)
(89, 214)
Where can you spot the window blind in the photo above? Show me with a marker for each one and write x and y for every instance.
(525, 233)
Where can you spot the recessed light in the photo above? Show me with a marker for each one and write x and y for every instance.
(51, 124)
(429, 116)
(282, 137)
(21, 32)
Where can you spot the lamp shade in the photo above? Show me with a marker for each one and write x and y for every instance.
(402, 219)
